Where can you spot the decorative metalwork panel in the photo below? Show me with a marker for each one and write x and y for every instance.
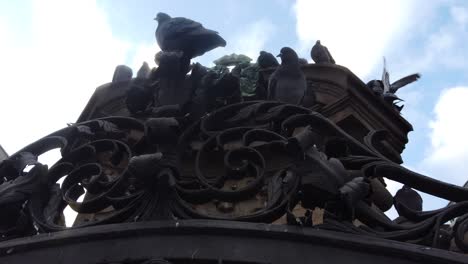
(258, 161)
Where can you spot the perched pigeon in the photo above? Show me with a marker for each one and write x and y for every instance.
(266, 60)
(320, 54)
(376, 86)
(122, 73)
(188, 36)
(408, 198)
(287, 83)
(144, 71)
(138, 98)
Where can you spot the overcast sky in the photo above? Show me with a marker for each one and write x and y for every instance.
(53, 54)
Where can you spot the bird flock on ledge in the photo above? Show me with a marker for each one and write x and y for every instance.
(170, 87)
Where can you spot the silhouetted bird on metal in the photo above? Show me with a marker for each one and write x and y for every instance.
(409, 198)
(287, 83)
(188, 36)
(320, 54)
(122, 73)
(266, 60)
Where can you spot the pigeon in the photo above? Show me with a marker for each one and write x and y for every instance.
(266, 60)
(138, 98)
(188, 36)
(408, 198)
(287, 83)
(122, 73)
(320, 54)
(393, 87)
(144, 71)
(376, 86)
(390, 98)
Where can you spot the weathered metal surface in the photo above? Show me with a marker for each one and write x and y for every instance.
(195, 241)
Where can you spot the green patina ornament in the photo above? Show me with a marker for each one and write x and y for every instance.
(232, 60)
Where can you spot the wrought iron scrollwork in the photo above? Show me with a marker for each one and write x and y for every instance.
(256, 161)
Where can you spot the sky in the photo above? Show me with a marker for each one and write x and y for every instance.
(54, 53)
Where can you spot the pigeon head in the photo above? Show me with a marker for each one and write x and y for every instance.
(318, 42)
(263, 52)
(161, 17)
(288, 56)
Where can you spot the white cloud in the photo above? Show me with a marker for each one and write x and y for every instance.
(144, 52)
(460, 15)
(357, 33)
(248, 42)
(448, 154)
(252, 41)
(443, 45)
(47, 82)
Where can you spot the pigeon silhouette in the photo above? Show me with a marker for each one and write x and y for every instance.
(409, 198)
(376, 86)
(266, 60)
(188, 36)
(287, 83)
(144, 71)
(122, 73)
(320, 54)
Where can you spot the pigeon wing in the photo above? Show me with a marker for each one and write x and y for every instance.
(174, 28)
(385, 77)
(404, 81)
(329, 55)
